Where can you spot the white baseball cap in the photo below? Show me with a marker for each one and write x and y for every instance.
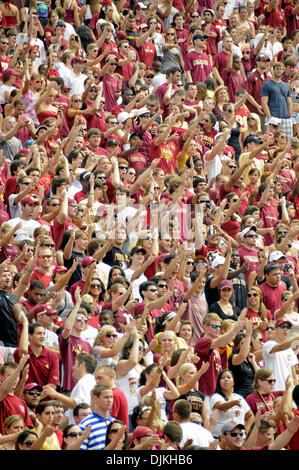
(276, 255)
(217, 261)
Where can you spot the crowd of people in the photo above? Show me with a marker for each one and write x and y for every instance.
(149, 225)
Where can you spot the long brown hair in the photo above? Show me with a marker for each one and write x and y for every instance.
(262, 308)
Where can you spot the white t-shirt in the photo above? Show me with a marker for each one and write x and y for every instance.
(136, 283)
(77, 83)
(27, 229)
(81, 393)
(234, 414)
(160, 397)
(213, 167)
(280, 363)
(199, 435)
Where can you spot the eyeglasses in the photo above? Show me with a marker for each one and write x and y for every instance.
(169, 34)
(190, 262)
(74, 434)
(252, 295)
(102, 177)
(121, 167)
(194, 16)
(282, 233)
(285, 327)
(270, 381)
(45, 256)
(251, 235)
(77, 101)
(73, 205)
(237, 433)
(132, 173)
(216, 327)
(250, 119)
(96, 286)
(34, 392)
(93, 91)
(4, 43)
(82, 319)
(55, 205)
(49, 245)
(110, 335)
(113, 122)
(162, 286)
(269, 328)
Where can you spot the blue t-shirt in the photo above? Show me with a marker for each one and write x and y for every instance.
(277, 98)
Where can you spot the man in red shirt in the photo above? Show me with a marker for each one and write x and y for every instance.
(144, 44)
(221, 59)
(45, 269)
(274, 16)
(248, 251)
(43, 363)
(165, 148)
(167, 89)
(197, 63)
(256, 80)
(206, 348)
(11, 404)
(210, 30)
(272, 288)
(63, 220)
(291, 9)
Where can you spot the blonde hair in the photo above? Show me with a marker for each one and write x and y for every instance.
(157, 422)
(211, 317)
(103, 331)
(182, 371)
(12, 419)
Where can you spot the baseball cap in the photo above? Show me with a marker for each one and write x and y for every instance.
(123, 116)
(60, 23)
(141, 431)
(274, 121)
(8, 72)
(87, 261)
(275, 256)
(161, 257)
(84, 175)
(77, 60)
(198, 36)
(225, 283)
(42, 10)
(229, 426)
(46, 309)
(59, 269)
(71, 201)
(143, 26)
(112, 142)
(31, 386)
(149, 72)
(217, 261)
(140, 5)
(247, 229)
(280, 321)
(252, 138)
(208, 9)
(29, 200)
(137, 249)
(143, 111)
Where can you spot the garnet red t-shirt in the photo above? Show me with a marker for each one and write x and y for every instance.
(199, 65)
(69, 350)
(207, 382)
(43, 369)
(256, 403)
(272, 296)
(13, 405)
(250, 257)
(167, 155)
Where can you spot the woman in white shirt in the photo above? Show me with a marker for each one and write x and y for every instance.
(231, 406)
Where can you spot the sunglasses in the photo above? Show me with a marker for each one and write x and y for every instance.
(162, 286)
(132, 173)
(114, 431)
(55, 205)
(285, 327)
(50, 245)
(96, 286)
(93, 91)
(190, 262)
(74, 434)
(45, 256)
(250, 119)
(77, 101)
(34, 392)
(153, 290)
(252, 295)
(73, 205)
(110, 335)
(82, 319)
(270, 328)
(28, 443)
(216, 327)
(250, 236)
(237, 433)
(270, 381)
(123, 167)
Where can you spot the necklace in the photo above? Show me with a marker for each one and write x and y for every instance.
(269, 407)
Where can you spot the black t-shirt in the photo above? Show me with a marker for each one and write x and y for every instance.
(68, 263)
(195, 398)
(243, 377)
(212, 295)
(8, 327)
(240, 290)
(117, 257)
(215, 308)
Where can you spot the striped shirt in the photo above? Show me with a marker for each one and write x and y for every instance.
(97, 436)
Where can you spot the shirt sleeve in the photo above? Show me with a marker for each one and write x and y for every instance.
(54, 370)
